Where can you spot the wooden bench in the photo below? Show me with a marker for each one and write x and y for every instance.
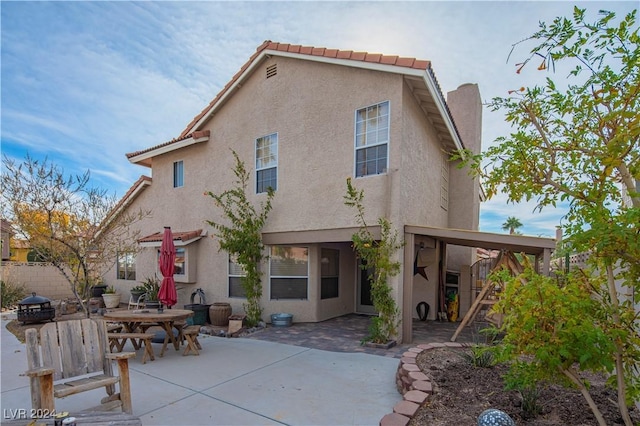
(66, 350)
(190, 334)
(114, 328)
(118, 340)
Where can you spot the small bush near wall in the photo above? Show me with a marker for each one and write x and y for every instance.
(11, 294)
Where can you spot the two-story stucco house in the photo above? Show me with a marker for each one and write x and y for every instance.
(303, 120)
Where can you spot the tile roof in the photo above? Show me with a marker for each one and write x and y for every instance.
(412, 63)
(126, 199)
(194, 135)
(177, 236)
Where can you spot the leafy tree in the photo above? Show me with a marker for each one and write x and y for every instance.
(67, 223)
(579, 143)
(243, 237)
(511, 224)
(376, 256)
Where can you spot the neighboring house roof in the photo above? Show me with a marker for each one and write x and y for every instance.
(6, 227)
(20, 244)
(180, 238)
(418, 75)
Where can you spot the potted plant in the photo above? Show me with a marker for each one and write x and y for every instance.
(152, 287)
(137, 291)
(98, 288)
(111, 297)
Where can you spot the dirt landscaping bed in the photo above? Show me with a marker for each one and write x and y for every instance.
(462, 392)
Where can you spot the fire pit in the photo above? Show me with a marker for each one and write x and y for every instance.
(35, 309)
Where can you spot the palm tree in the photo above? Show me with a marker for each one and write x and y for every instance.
(512, 224)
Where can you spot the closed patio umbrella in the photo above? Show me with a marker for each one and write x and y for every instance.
(167, 294)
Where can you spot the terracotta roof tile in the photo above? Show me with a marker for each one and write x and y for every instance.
(318, 51)
(420, 64)
(388, 60)
(331, 53)
(358, 56)
(306, 50)
(373, 57)
(405, 62)
(177, 236)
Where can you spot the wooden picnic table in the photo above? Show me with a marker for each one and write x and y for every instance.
(132, 320)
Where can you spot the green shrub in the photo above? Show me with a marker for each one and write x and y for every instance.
(11, 294)
(479, 356)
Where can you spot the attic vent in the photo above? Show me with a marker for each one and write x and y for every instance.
(272, 70)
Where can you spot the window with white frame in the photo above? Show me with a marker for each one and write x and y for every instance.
(372, 139)
(236, 274)
(267, 163)
(178, 174)
(179, 264)
(444, 182)
(329, 273)
(126, 266)
(289, 272)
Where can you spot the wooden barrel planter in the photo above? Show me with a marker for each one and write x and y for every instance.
(219, 314)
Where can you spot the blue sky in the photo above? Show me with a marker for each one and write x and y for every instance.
(83, 83)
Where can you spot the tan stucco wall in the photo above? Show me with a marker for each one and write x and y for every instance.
(312, 108)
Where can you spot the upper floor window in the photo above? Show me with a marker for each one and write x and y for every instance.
(178, 174)
(371, 139)
(126, 266)
(267, 163)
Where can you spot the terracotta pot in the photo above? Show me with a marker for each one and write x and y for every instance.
(219, 314)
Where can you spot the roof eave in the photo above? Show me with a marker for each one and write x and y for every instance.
(145, 159)
(432, 85)
(176, 243)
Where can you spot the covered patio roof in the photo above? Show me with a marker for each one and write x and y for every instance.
(488, 240)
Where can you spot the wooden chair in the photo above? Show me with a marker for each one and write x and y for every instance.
(68, 349)
(136, 304)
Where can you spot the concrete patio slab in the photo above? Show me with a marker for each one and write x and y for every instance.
(234, 381)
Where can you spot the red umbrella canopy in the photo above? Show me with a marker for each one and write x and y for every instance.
(167, 294)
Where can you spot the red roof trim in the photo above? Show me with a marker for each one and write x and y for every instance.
(177, 236)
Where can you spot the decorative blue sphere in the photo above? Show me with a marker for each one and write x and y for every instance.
(493, 417)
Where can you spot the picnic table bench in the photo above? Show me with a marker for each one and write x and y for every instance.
(118, 340)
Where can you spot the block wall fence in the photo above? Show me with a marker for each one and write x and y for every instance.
(41, 278)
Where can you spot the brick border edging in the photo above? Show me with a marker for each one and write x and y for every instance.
(413, 384)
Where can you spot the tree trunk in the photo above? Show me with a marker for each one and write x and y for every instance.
(585, 393)
(622, 390)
